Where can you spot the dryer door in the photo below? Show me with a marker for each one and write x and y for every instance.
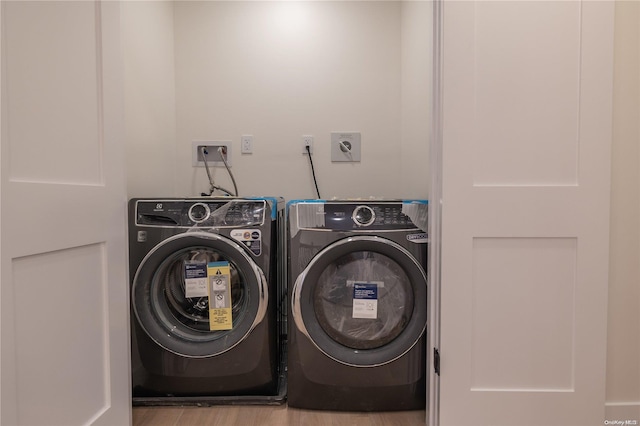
(180, 324)
(362, 301)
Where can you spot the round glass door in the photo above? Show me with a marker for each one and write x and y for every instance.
(178, 321)
(362, 301)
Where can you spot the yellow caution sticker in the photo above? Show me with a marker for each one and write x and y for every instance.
(219, 275)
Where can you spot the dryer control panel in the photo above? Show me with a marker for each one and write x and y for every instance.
(203, 213)
(374, 216)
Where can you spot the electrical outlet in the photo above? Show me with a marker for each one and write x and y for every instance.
(212, 153)
(307, 141)
(246, 144)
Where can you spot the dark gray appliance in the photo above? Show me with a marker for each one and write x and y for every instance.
(176, 357)
(358, 305)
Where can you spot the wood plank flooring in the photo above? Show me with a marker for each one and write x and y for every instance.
(260, 415)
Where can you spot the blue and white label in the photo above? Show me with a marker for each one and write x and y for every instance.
(365, 300)
(195, 279)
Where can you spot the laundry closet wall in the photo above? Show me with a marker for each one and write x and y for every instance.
(277, 71)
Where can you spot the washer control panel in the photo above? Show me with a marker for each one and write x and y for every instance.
(205, 213)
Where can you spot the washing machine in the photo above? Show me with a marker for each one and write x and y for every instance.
(358, 304)
(206, 282)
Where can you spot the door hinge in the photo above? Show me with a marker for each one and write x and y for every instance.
(436, 361)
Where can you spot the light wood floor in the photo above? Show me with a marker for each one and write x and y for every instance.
(259, 415)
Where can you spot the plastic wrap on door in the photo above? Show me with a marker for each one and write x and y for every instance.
(334, 296)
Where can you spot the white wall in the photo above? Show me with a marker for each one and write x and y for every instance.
(623, 351)
(416, 81)
(147, 32)
(277, 71)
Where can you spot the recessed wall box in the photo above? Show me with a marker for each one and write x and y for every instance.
(345, 146)
(212, 153)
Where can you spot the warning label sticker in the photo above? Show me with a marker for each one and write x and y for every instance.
(365, 300)
(195, 279)
(219, 288)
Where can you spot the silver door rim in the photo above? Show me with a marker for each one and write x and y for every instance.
(297, 292)
(255, 270)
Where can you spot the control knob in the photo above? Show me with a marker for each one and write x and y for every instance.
(199, 212)
(363, 216)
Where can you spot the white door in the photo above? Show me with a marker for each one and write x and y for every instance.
(64, 292)
(527, 107)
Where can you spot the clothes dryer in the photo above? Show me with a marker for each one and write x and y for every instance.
(206, 274)
(358, 305)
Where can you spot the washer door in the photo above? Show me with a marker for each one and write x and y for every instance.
(362, 301)
(180, 324)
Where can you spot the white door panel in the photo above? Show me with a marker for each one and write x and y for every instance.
(64, 312)
(525, 195)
